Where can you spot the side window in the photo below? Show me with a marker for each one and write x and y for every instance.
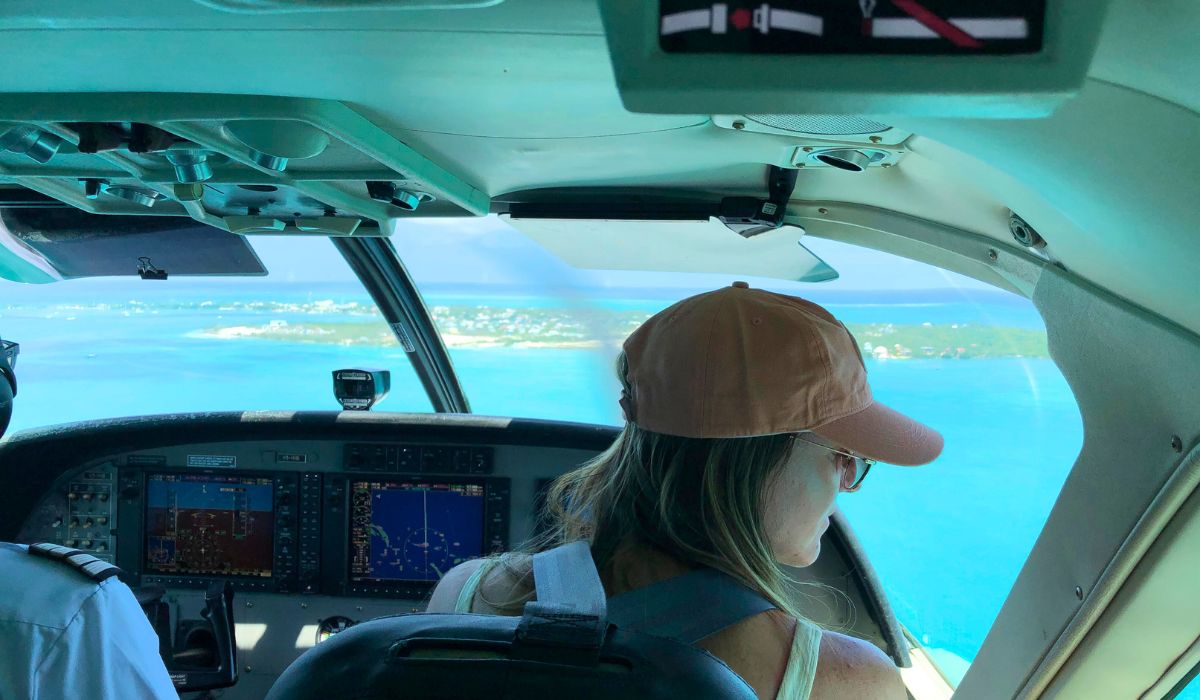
(1189, 688)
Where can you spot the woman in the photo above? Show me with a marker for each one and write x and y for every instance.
(746, 413)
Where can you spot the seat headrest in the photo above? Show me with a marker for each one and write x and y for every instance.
(562, 646)
(438, 656)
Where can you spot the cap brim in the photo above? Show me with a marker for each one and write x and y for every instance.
(879, 433)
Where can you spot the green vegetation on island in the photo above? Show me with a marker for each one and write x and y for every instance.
(960, 341)
(484, 327)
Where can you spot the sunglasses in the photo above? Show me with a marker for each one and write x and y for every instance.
(854, 469)
(8, 353)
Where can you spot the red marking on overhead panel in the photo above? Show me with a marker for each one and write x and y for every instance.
(940, 26)
(868, 12)
(740, 18)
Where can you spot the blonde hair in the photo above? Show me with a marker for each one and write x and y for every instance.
(697, 500)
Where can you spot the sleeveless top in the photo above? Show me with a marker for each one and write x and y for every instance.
(802, 661)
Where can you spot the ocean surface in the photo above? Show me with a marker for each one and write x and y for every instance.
(947, 540)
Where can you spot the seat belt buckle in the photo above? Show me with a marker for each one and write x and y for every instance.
(559, 634)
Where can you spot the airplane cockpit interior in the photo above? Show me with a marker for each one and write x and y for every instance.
(305, 303)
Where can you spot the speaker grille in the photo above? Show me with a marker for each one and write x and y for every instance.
(823, 124)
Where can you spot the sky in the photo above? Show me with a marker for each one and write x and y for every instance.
(487, 251)
(474, 253)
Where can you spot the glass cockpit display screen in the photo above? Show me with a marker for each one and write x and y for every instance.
(413, 530)
(204, 524)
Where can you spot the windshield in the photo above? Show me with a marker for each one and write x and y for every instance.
(111, 347)
(531, 336)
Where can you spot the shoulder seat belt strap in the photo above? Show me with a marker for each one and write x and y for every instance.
(570, 614)
(566, 576)
(687, 608)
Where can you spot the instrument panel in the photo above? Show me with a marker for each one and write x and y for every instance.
(357, 519)
(322, 520)
(315, 535)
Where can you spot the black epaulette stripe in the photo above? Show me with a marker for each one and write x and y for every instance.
(84, 563)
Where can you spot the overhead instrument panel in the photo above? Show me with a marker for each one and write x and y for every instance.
(250, 165)
(960, 58)
(934, 27)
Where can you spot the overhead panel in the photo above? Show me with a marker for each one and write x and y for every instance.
(953, 58)
(245, 164)
(293, 7)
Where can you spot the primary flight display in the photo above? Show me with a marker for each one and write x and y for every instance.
(202, 524)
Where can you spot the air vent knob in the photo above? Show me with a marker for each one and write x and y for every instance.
(31, 141)
(273, 142)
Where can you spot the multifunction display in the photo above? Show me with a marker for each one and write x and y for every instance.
(202, 524)
(928, 27)
(410, 530)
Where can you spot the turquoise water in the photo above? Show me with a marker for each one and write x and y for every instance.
(1191, 691)
(947, 539)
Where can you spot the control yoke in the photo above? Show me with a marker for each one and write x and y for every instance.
(199, 654)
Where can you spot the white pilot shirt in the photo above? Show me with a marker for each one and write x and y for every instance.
(67, 636)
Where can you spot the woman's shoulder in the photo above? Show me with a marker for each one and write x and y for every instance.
(852, 667)
(446, 592)
(503, 577)
(761, 648)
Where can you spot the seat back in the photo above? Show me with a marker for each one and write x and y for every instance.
(564, 645)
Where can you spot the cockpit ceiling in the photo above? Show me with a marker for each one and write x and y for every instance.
(521, 96)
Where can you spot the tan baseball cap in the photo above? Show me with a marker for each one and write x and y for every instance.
(740, 362)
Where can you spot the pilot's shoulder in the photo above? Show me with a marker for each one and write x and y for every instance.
(91, 567)
(850, 667)
(46, 588)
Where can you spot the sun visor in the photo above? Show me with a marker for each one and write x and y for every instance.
(941, 58)
(676, 246)
(65, 243)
